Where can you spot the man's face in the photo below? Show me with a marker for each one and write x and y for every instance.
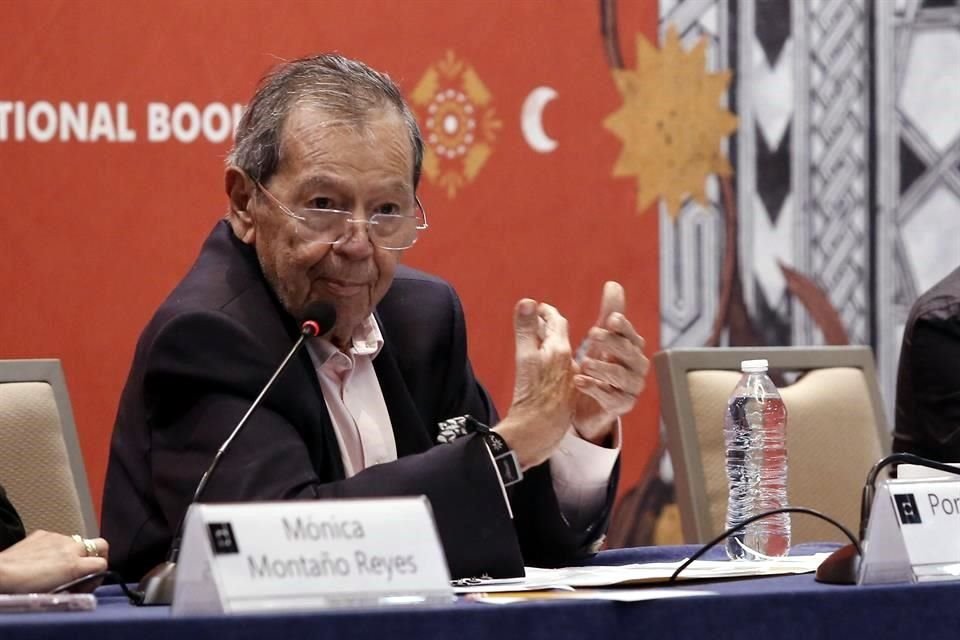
(363, 169)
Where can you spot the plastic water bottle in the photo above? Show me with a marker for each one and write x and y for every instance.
(755, 431)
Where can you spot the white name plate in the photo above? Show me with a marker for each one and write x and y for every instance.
(267, 556)
(912, 535)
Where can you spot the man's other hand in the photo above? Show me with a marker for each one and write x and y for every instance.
(612, 369)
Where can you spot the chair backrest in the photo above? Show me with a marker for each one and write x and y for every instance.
(836, 430)
(41, 466)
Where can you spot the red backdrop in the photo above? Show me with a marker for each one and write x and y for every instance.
(94, 234)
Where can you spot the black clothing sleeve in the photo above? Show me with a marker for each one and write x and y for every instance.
(11, 528)
(927, 419)
(930, 425)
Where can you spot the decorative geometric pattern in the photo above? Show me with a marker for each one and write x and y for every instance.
(938, 216)
(861, 197)
(917, 47)
(691, 243)
(690, 249)
(772, 243)
(773, 27)
(773, 171)
(809, 147)
(670, 122)
(911, 166)
(458, 120)
(838, 222)
(765, 206)
(928, 88)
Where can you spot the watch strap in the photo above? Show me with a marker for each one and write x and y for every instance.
(503, 457)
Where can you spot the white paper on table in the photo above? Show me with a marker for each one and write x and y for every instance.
(615, 595)
(499, 585)
(649, 573)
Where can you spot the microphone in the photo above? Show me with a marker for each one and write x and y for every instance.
(157, 585)
(843, 565)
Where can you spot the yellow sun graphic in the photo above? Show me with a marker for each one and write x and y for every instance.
(671, 122)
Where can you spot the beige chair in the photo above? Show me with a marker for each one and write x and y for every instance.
(41, 466)
(836, 430)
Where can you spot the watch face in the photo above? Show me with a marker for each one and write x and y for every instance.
(509, 469)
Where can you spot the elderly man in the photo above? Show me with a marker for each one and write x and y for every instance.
(322, 189)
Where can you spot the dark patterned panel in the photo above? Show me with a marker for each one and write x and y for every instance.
(772, 324)
(839, 158)
(772, 27)
(911, 166)
(773, 172)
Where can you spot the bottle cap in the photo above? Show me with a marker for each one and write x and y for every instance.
(753, 366)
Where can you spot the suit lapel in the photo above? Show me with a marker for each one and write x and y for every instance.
(409, 432)
(298, 388)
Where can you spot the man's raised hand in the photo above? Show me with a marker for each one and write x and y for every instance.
(612, 369)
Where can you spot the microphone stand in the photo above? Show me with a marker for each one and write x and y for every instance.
(158, 584)
(843, 565)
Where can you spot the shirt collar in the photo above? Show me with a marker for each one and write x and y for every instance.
(367, 340)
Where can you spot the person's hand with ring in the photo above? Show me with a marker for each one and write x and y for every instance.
(44, 560)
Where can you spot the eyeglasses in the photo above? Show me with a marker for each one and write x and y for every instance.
(393, 231)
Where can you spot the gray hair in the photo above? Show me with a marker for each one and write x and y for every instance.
(346, 89)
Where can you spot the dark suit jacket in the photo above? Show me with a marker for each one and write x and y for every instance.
(11, 528)
(928, 381)
(211, 347)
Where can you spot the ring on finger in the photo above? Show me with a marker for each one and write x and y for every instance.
(91, 548)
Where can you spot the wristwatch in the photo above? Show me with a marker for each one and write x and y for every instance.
(503, 456)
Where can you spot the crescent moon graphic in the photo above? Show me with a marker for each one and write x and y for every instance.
(531, 119)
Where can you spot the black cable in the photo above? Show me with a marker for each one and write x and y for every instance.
(897, 458)
(723, 536)
(135, 597)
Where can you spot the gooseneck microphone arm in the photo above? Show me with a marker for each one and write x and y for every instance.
(309, 329)
(843, 565)
(156, 588)
(870, 487)
(312, 326)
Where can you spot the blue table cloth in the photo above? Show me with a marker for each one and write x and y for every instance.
(778, 607)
